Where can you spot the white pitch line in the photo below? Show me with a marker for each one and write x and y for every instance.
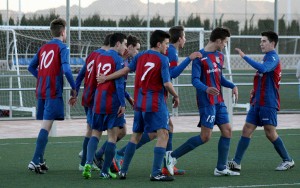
(268, 185)
(126, 140)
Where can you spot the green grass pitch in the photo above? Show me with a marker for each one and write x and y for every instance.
(258, 164)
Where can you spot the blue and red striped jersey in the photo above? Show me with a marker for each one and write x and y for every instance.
(49, 65)
(109, 96)
(266, 80)
(207, 72)
(172, 54)
(90, 84)
(175, 68)
(152, 71)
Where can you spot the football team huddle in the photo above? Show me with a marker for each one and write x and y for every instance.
(103, 98)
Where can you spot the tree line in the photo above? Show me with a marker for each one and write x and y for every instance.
(193, 20)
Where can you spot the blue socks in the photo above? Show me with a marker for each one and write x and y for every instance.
(145, 139)
(109, 155)
(281, 150)
(91, 149)
(170, 143)
(101, 151)
(244, 143)
(121, 151)
(223, 149)
(188, 146)
(41, 143)
(159, 154)
(241, 148)
(84, 150)
(130, 150)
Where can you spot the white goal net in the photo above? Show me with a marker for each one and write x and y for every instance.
(20, 43)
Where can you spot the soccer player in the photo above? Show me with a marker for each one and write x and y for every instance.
(265, 103)
(208, 80)
(177, 41)
(109, 105)
(133, 47)
(88, 96)
(48, 66)
(152, 82)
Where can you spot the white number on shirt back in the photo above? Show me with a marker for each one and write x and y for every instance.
(150, 66)
(89, 67)
(47, 59)
(106, 68)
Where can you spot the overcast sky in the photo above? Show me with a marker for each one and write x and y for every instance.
(34, 5)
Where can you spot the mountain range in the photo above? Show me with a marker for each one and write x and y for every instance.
(225, 9)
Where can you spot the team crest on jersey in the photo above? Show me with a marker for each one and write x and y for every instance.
(217, 59)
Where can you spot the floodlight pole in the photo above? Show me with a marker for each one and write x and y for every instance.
(148, 25)
(276, 20)
(176, 13)
(68, 110)
(214, 15)
(79, 28)
(276, 16)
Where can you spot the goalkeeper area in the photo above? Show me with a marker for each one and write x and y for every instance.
(18, 45)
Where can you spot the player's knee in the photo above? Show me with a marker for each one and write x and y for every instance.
(152, 136)
(121, 134)
(227, 133)
(271, 136)
(205, 138)
(165, 135)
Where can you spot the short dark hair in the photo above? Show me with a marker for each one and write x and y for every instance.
(176, 32)
(57, 26)
(271, 35)
(132, 40)
(106, 39)
(219, 33)
(158, 36)
(116, 37)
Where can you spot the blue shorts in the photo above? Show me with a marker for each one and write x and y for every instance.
(102, 122)
(213, 115)
(50, 109)
(260, 116)
(89, 115)
(149, 122)
(120, 121)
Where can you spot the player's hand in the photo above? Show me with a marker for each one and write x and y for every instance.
(195, 55)
(74, 93)
(125, 55)
(131, 102)
(101, 78)
(235, 94)
(242, 54)
(252, 93)
(175, 101)
(72, 101)
(212, 91)
(121, 111)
